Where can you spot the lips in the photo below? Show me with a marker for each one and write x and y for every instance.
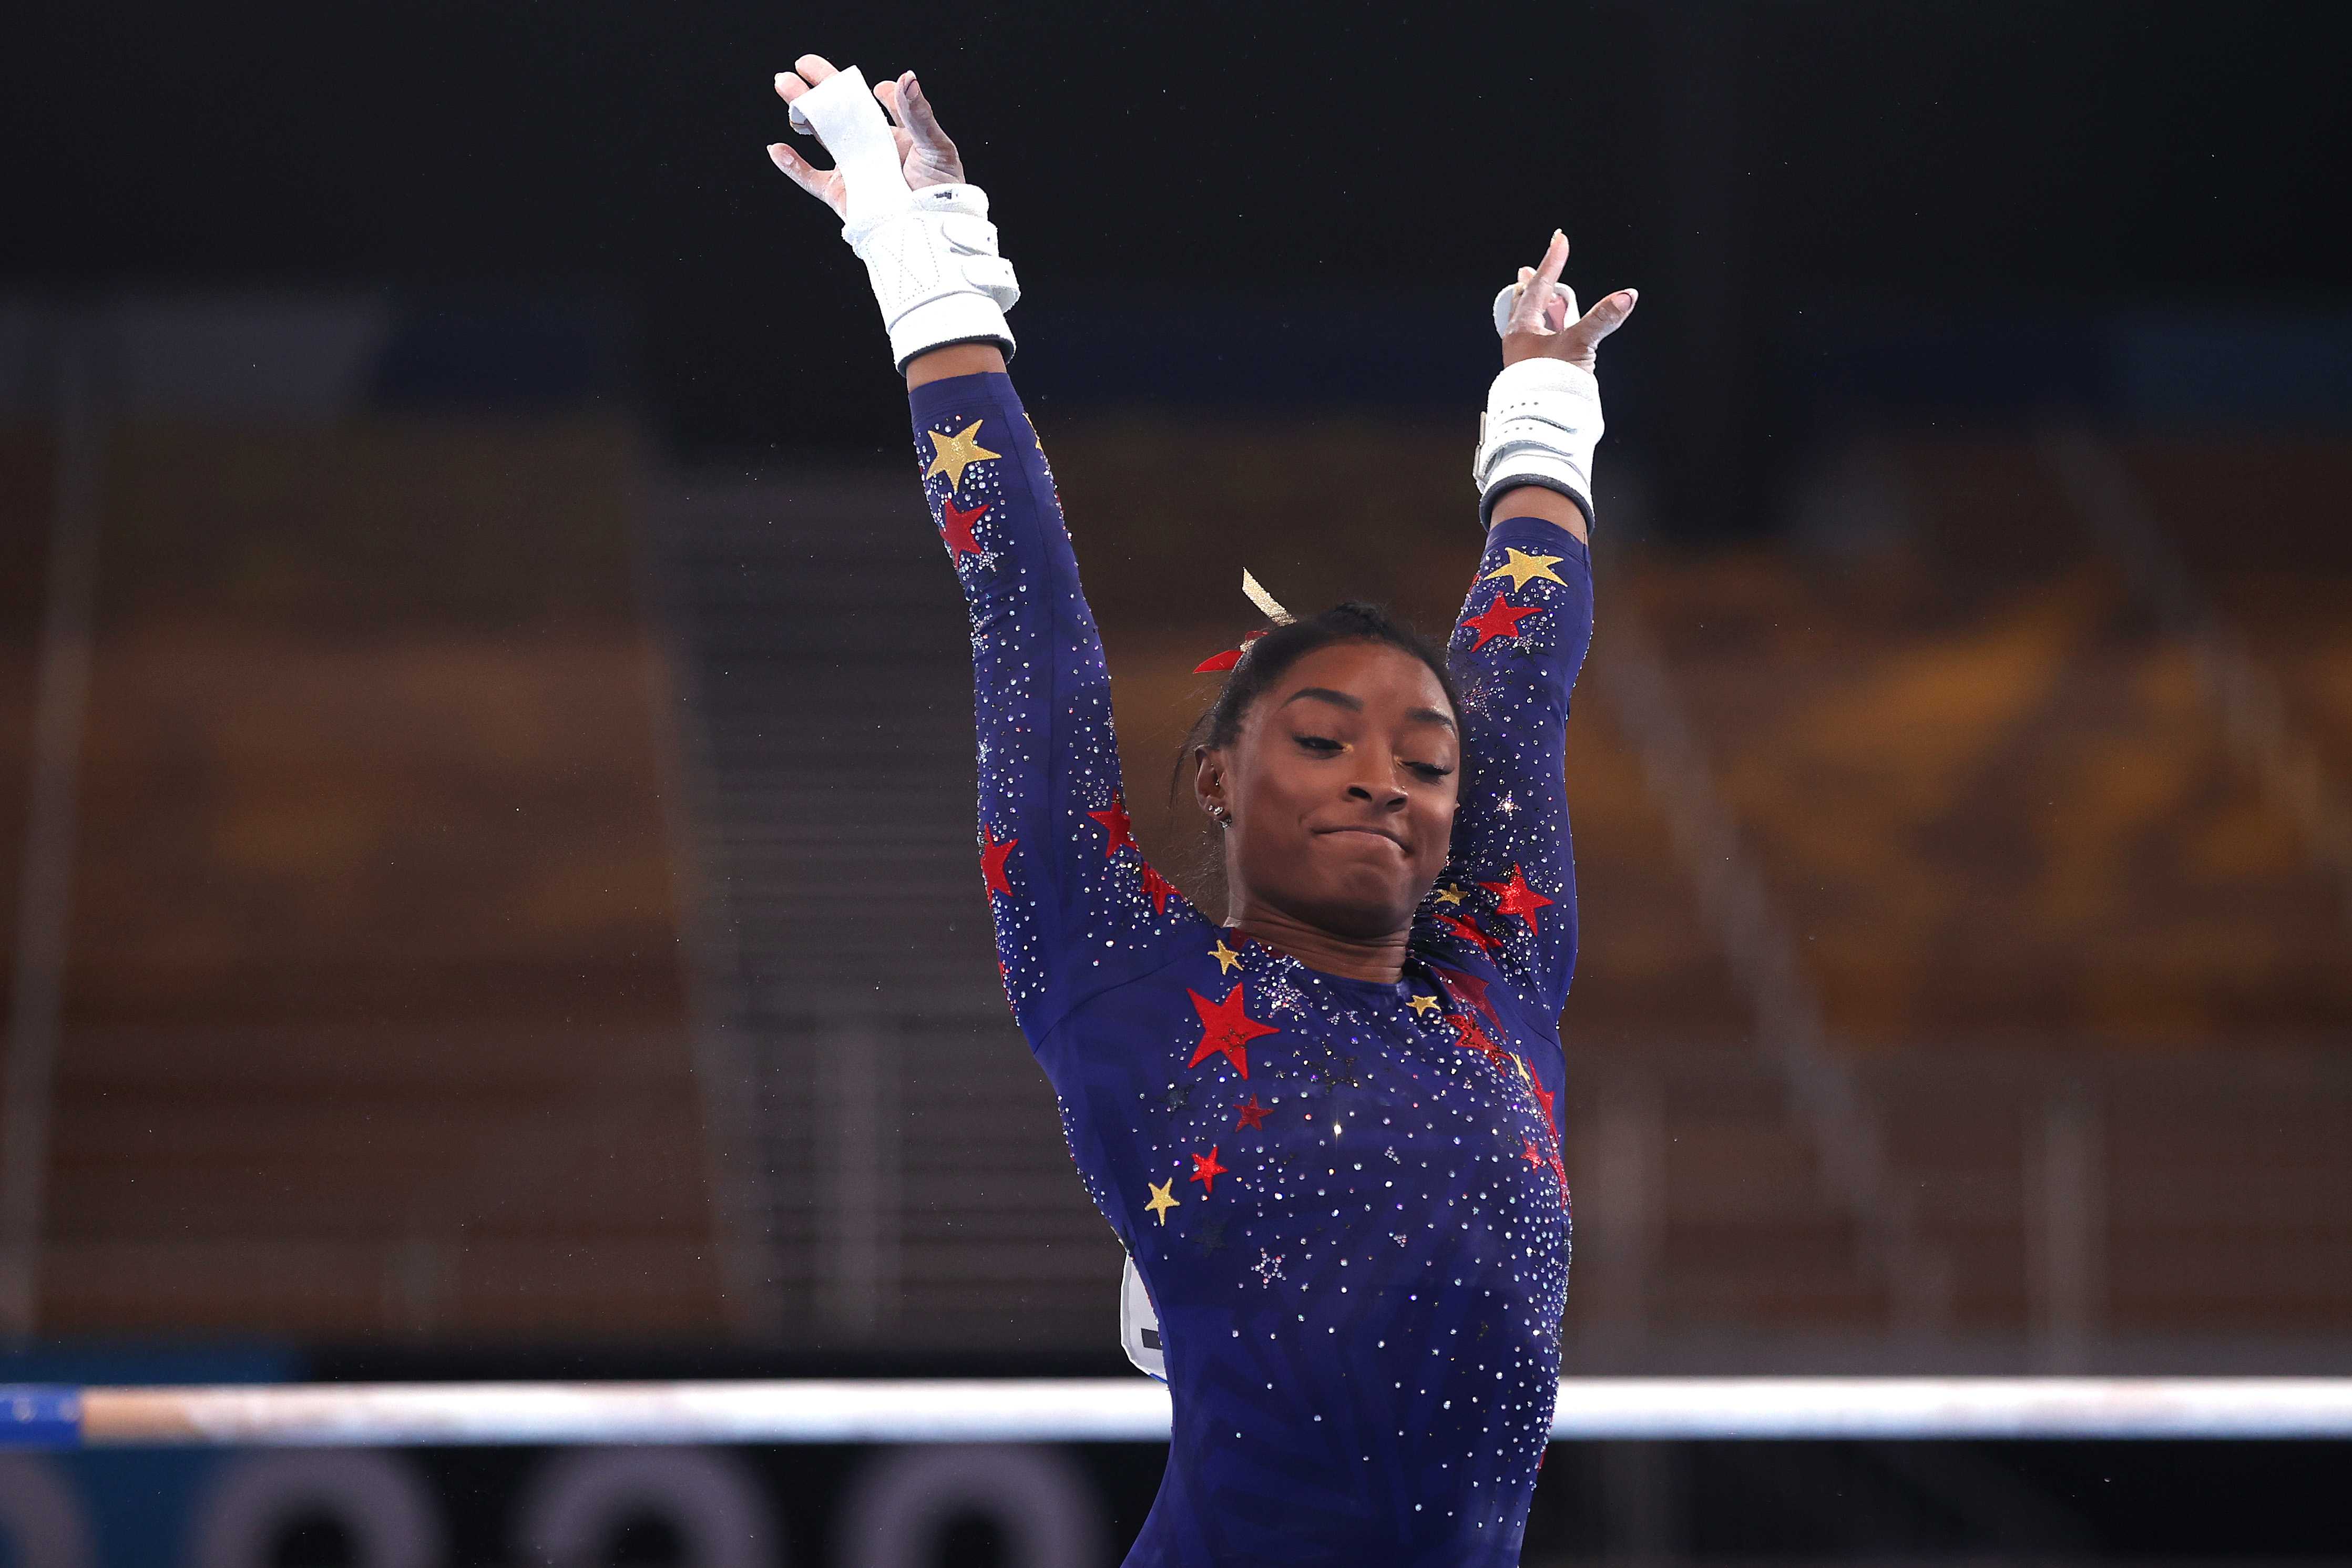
(1368, 832)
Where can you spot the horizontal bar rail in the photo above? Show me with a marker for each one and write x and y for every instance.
(1072, 1410)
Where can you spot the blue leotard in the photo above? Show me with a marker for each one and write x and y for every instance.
(1345, 1197)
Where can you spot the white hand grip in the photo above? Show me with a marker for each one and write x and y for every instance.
(929, 254)
(843, 113)
(1508, 300)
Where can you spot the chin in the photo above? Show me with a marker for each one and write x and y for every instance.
(1364, 912)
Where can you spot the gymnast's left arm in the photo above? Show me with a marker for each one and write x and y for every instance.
(1522, 635)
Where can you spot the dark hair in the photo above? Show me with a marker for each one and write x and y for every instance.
(1264, 663)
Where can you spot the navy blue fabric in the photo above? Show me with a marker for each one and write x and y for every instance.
(1345, 1197)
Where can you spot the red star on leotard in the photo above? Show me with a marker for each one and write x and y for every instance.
(1499, 619)
(955, 526)
(1468, 989)
(1206, 1170)
(1544, 1097)
(1517, 897)
(1159, 887)
(1533, 1159)
(1253, 1115)
(992, 857)
(1473, 1038)
(1120, 826)
(1467, 931)
(1226, 1027)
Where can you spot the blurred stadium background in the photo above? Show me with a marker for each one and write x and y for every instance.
(454, 659)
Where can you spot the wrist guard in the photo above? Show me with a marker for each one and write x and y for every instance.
(930, 254)
(1541, 423)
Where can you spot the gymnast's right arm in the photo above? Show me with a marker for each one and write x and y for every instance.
(1077, 909)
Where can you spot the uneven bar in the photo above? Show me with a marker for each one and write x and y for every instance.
(1081, 1410)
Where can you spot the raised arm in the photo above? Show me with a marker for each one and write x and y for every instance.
(1077, 908)
(1510, 887)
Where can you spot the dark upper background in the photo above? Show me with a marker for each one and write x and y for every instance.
(1741, 163)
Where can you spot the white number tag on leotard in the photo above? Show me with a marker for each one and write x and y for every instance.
(1139, 1324)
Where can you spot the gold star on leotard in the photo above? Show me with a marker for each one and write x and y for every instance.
(1424, 1005)
(1448, 895)
(1520, 568)
(1227, 959)
(1161, 1199)
(956, 452)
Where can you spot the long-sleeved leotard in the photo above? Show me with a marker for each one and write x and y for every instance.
(1345, 1197)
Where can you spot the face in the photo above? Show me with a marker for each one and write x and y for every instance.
(1342, 788)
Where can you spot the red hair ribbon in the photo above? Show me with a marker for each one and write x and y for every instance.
(1274, 613)
(1229, 658)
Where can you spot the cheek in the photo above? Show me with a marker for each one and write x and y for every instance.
(1434, 830)
(1274, 785)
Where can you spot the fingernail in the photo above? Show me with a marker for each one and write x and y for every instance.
(779, 77)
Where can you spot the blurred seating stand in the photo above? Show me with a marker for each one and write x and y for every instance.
(524, 893)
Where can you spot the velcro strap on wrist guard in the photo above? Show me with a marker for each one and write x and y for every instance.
(1541, 424)
(930, 254)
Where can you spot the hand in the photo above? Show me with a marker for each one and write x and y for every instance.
(1540, 327)
(927, 156)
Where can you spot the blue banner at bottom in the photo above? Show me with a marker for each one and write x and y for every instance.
(39, 1415)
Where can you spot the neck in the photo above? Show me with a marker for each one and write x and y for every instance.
(1376, 958)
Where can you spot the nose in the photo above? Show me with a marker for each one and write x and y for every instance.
(1383, 792)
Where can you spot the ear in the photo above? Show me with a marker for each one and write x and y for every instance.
(1209, 777)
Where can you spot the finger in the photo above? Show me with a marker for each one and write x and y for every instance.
(1511, 322)
(802, 172)
(1545, 311)
(1604, 318)
(789, 86)
(1534, 304)
(1535, 311)
(1555, 262)
(817, 182)
(887, 93)
(918, 120)
(814, 68)
(1525, 311)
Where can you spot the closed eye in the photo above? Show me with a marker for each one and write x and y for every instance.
(1324, 745)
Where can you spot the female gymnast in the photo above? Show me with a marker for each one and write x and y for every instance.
(1324, 1126)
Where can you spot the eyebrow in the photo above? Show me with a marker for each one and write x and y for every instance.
(1356, 705)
